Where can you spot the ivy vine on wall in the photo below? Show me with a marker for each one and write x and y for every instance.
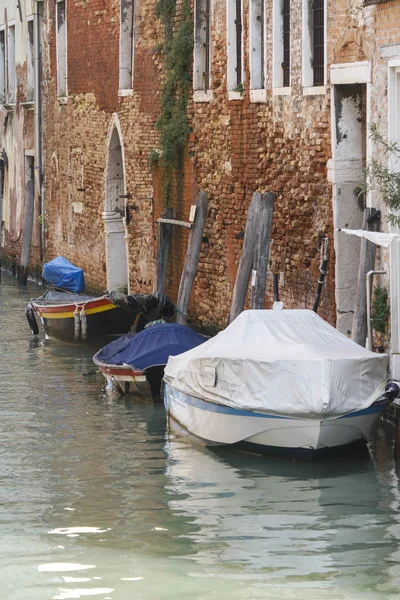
(173, 123)
(380, 309)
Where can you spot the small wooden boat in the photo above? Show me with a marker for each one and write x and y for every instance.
(282, 382)
(134, 364)
(79, 318)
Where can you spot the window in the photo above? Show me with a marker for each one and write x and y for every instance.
(2, 66)
(394, 112)
(11, 64)
(202, 49)
(257, 44)
(286, 42)
(61, 40)
(281, 43)
(314, 42)
(126, 49)
(31, 78)
(235, 44)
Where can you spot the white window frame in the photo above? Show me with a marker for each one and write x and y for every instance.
(3, 68)
(30, 62)
(200, 94)
(126, 47)
(278, 89)
(11, 93)
(257, 32)
(233, 94)
(62, 74)
(309, 89)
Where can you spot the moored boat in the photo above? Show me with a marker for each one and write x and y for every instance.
(69, 315)
(79, 318)
(281, 382)
(134, 364)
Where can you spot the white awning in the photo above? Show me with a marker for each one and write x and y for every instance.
(380, 239)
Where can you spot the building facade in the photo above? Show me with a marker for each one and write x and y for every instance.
(281, 97)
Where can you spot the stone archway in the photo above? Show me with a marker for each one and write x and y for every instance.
(114, 213)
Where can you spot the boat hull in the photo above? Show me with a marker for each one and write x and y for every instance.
(102, 318)
(213, 424)
(128, 381)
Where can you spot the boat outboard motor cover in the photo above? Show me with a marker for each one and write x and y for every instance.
(63, 274)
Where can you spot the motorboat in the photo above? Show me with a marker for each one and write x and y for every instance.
(67, 314)
(283, 382)
(134, 364)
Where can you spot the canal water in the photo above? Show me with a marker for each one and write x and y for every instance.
(97, 499)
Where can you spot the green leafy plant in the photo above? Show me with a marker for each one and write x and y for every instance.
(380, 309)
(154, 157)
(173, 123)
(239, 88)
(381, 175)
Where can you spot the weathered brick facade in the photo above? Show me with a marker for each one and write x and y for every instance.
(236, 148)
(280, 142)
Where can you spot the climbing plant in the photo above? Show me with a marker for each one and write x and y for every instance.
(173, 123)
(380, 174)
(380, 309)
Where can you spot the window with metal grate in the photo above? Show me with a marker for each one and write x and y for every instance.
(318, 42)
(286, 42)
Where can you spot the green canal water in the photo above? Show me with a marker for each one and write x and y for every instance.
(98, 500)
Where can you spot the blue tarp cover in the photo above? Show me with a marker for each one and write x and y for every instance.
(63, 274)
(151, 347)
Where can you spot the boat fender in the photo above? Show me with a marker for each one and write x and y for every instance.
(392, 390)
(30, 315)
(76, 324)
(83, 323)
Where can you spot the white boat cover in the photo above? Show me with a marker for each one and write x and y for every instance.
(378, 238)
(288, 363)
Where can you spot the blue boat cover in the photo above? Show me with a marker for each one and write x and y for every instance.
(151, 347)
(63, 274)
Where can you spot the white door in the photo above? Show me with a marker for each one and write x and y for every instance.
(113, 216)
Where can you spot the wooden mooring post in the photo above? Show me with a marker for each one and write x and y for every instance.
(192, 258)
(367, 263)
(261, 251)
(164, 242)
(246, 258)
(27, 236)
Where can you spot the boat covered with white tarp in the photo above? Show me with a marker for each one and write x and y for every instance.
(270, 374)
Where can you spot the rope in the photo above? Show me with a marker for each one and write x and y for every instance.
(77, 323)
(83, 323)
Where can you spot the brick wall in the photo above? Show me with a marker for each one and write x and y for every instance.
(236, 148)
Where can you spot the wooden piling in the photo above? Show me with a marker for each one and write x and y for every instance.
(246, 258)
(164, 242)
(261, 251)
(367, 263)
(192, 258)
(27, 235)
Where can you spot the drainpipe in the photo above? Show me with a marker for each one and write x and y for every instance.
(38, 113)
(369, 276)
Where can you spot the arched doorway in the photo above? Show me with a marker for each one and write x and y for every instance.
(113, 216)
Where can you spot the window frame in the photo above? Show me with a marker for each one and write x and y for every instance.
(126, 48)
(62, 91)
(233, 56)
(309, 87)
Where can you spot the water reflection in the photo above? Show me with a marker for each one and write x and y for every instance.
(319, 528)
(97, 499)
